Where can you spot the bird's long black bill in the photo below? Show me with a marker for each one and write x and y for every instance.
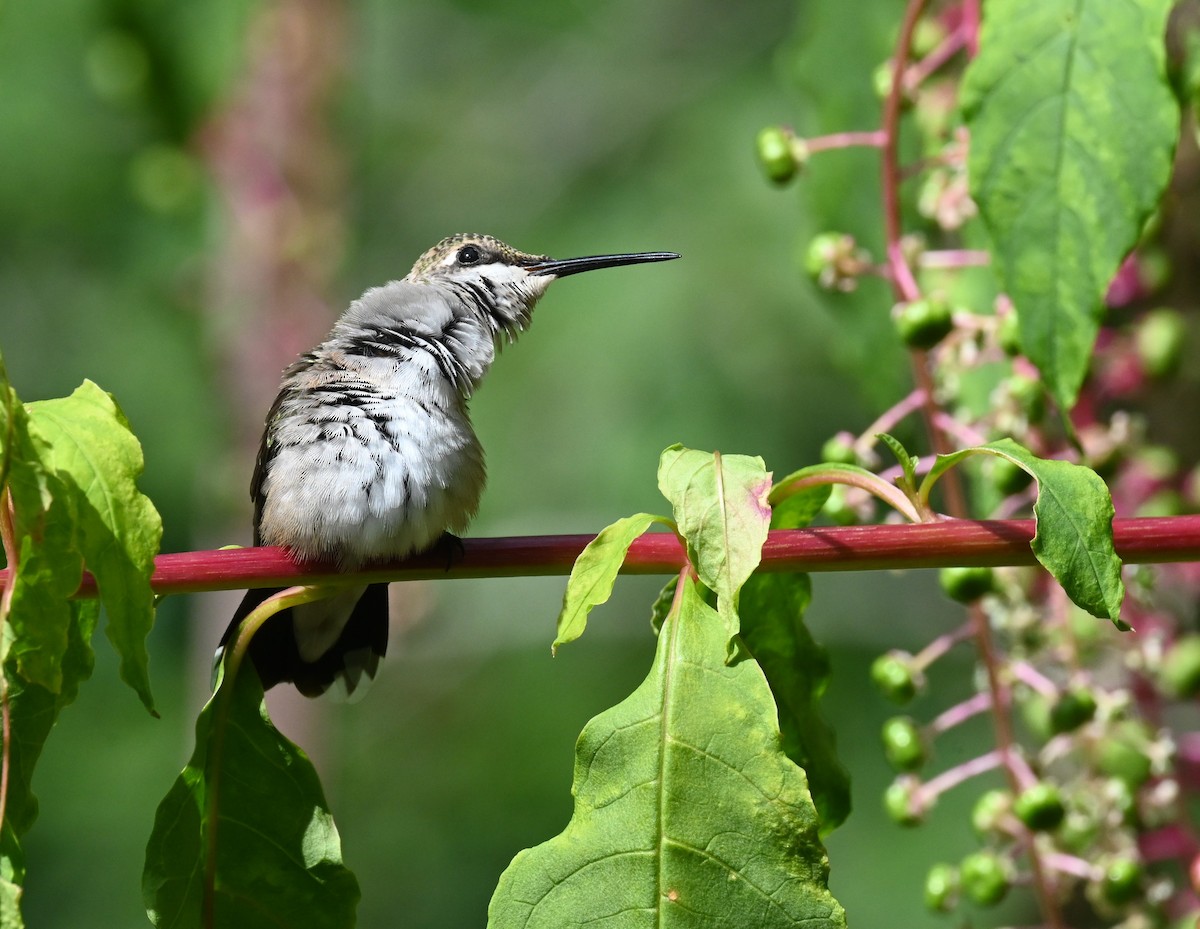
(565, 266)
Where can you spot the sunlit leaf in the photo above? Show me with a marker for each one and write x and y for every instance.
(278, 855)
(721, 509)
(1073, 129)
(687, 811)
(1074, 513)
(595, 571)
(85, 440)
(772, 611)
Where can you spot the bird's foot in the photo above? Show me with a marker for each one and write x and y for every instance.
(451, 548)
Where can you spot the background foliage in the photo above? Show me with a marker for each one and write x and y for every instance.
(132, 179)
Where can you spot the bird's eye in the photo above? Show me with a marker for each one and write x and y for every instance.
(469, 255)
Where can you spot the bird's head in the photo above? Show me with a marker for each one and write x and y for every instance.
(505, 281)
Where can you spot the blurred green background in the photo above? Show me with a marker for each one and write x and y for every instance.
(191, 192)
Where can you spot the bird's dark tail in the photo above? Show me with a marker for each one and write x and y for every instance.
(347, 666)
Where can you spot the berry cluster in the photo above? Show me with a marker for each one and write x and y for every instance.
(1096, 731)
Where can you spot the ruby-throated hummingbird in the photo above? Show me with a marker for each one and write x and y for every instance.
(369, 453)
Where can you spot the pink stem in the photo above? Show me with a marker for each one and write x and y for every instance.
(952, 777)
(890, 417)
(960, 713)
(945, 543)
(1028, 674)
(955, 258)
(873, 139)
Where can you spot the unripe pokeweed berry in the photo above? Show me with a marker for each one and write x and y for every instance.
(1180, 671)
(1008, 334)
(1122, 881)
(825, 249)
(1160, 338)
(777, 150)
(898, 801)
(1072, 709)
(903, 745)
(984, 878)
(989, 812)
(966, 585)
(1040, 807)
(1122, 753)
(1008, 477)
(941, 888)
(1035, 713)
(893, 674)
(837, 509)
(1029, 396)
(839, 449)
(925, 322)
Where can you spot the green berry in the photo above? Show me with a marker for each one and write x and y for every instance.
(893, 674)
(1040, 807)
(1165, 502)
(898, 802)
(825, 250)
(1180, 671)
(923, 323)
(882, 78)
(903, 745)
(1008, 334)
(966, 585)
(839, 449)
(777, 153)
(1029, 396)
(837, 509)
(984, 878)
(941, 888)
(1072, 709)
(1160, 338)
(989, 812)
(1122, 753)
(1035, 712)
(927, 36)
(1008, 477)
(1122, 881)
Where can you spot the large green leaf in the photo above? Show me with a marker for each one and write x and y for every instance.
(1074, 513)
(595, 571)
(1073, 128)
(772, 612)
(85, 441)
(278, 859)
(34, 709)
(687, 811)
(48, 566)
(12, 877)
(721, 508)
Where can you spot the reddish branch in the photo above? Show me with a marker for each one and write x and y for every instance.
(1149, 540)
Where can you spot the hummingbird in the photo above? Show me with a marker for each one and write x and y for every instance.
(369, 454)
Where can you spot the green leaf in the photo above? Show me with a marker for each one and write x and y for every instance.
(86, 442)
(10, 905)
(908, 464)
(595, 571)
(278, 854)
(1073, 130)
(799, 508)
(34, 709)
(12, 877)
(49, 566)
(722, 510)
(687, 813)
(1074, 514)
(663, 604)
(772, 611)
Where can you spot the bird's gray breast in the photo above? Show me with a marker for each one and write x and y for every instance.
(371, 456)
